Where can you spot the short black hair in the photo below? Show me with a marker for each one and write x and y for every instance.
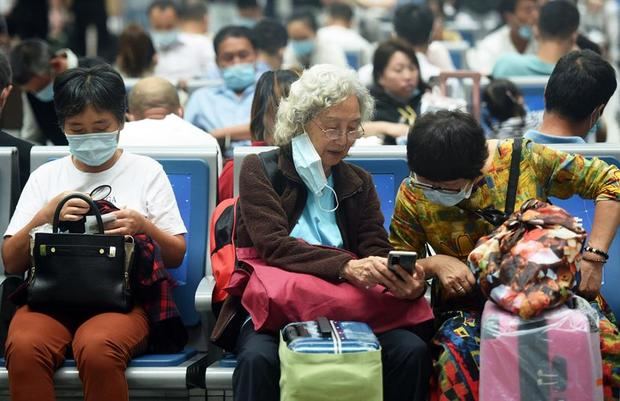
(306, 16)
(340, 11)
(247, 3)
(6, 76)
(270, 35)
(193, 12)
(580, 82)
(233, 31)
(446, 145)
(163, 4)
(29, 58)
(507, 6)
(100, 86)
(501, 99)
(559, 19)
(414, 24)
(383, 54)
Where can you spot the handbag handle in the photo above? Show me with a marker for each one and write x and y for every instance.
(86, 199)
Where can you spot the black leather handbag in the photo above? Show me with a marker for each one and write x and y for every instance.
(80, 272)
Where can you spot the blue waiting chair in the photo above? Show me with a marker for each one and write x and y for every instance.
(8, 189)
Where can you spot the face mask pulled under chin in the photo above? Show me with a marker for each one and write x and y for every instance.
(46, 94)
(310, 168)
(445, 199)
(93, 149)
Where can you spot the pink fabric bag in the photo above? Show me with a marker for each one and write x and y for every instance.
(274, 297)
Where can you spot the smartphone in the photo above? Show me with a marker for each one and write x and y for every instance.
(405, 259)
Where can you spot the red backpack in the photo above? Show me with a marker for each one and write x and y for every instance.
(222, 229)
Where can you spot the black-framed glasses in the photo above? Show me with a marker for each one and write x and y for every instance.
(422, 185)
(334, 134)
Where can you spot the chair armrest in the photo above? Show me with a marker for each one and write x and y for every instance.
(204, 295)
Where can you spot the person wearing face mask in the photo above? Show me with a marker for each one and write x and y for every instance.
(271, 87)
(556, 33)
(397, 89)
(172, 45)
(325, 201)
(515, 37)
(305, 48)
(571, 111)
(34, 68)
(90, 103)
(455, 173)
(224, 111)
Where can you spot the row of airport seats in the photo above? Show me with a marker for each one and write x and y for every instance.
(193, 175)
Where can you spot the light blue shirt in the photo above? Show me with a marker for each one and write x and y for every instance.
(219, 107)
(518, 65)
(317, 226)
(539, 137)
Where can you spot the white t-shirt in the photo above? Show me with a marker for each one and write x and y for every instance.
(191, 57)
(172, 130)
(482, 58)
(137, 182)
(349, 41)
(325, 52)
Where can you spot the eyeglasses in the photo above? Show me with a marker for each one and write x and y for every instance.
(442, 190)
(334, 134)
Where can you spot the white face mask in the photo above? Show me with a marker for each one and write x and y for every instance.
(445, 199)
(310, 167)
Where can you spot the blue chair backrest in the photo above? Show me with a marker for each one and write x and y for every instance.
(193, 176)
(387, 175)
(533, 89)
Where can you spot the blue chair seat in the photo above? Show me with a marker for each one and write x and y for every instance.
(146, 361)
(228, 361)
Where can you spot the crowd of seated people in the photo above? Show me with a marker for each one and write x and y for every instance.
(313, 79)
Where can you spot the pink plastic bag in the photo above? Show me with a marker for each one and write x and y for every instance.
(274, 297)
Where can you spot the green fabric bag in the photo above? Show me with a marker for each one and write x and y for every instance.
(329, 377)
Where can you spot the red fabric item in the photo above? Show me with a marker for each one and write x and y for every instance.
(274, 297)
(225, 183)
(222, 246)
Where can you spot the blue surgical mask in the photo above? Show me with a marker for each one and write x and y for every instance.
(239, 76)
(445, 199)
(310, 167)
(525, 32)
(46, 94)
(164, 39)
(93, 149)
(247, 22)
(303, 48)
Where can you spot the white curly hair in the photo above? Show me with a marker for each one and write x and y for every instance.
(318, 88)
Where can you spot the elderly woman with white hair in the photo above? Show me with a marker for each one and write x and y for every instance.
(322, 200)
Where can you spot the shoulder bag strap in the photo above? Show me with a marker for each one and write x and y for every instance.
(513, 178)
(270, 165)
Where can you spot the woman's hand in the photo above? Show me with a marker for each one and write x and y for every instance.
(128, 222)
(591, 277)
(408, 286)
(363, 272)
(455, 277)
(368, 272)
(73, 210)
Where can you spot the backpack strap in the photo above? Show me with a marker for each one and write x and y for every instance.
(270, 165)
(513, 178)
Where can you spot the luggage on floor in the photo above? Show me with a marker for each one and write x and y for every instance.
(555, 356)
(330, 360)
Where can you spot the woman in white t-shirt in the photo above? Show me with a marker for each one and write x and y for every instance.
(90, 104)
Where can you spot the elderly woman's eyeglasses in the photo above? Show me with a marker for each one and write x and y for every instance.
(422, 185)
(334, 134)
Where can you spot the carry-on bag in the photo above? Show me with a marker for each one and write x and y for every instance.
(554, 356)
(327, 360)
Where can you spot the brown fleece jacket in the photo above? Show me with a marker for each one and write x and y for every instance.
(266, 217)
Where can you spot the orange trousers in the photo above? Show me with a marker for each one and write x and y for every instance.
(102, 346)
